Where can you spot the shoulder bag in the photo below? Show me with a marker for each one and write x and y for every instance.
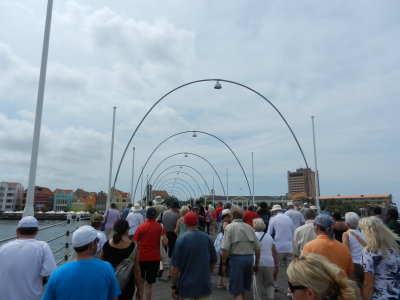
(124, 269)
(218, 242)
(163, 252)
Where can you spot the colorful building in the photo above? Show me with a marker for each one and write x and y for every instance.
(83, 201)
(63, 200)
(43, 199)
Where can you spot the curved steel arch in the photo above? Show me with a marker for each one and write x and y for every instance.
(180, 179)
(179, 190)
(198, 81)
(177, 173)
(180, 184)
(181, 167)
(203, 132)
(215, 171)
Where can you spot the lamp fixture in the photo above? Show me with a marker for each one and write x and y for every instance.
(217, 85)
(194, 134)
(186, 155)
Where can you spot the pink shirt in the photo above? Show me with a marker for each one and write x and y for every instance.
(110, 217)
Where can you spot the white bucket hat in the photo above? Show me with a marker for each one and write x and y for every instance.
(136, 207)
(158, 200)
(276, 207)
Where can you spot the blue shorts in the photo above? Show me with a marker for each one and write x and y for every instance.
(241, 273)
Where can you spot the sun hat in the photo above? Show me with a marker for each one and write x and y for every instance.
(28, 222)
(313, 207)
(83, 235)
(136, 207)
(290, 203)
(276, 207)
(151, 213)
(191, 219)
(158, 200)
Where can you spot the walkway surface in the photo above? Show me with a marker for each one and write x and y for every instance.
(162, 288)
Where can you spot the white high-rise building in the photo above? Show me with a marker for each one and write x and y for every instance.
(10, 195)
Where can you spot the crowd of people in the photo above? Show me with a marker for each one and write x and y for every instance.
(326, 256)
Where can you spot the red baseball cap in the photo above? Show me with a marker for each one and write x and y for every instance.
(191, 219)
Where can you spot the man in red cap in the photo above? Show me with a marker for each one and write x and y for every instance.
(188, 268)
(217, 212)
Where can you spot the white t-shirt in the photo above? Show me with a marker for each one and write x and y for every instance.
(296, 216)
(102, 240)
(134, 219)
(282, 227)
(355, 246)
(23, 264)
(266, 259)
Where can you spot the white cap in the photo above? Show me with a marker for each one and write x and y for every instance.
(276, 207)
(83, 235)
(313, 207)
(226, 212)
(28, 222)
(290, 203)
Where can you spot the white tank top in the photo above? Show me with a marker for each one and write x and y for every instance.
(355, 246)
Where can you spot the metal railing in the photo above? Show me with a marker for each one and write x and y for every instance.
(69, 229)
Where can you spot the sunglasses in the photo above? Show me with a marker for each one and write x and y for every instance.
(292, 287)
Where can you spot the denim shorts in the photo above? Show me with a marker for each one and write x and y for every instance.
(241, 276)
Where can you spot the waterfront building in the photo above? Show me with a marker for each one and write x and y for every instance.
(121, 199)
(83, 201)
(301, 181)
(62, 200)
(11, 194)
(101, 201)
(43, 199)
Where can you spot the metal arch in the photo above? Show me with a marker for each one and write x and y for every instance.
(180, 179)
(215, 171)
(177, 173)
(198, 81)
(183, 192)
(173, 190)
(203, 132)
(187, 167)
(180, 184)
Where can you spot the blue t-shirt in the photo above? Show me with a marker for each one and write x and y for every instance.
(83, 280)
(194, 270)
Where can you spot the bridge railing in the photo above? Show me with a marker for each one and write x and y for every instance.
(71, 224)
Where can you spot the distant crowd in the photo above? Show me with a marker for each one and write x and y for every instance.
(120, 255)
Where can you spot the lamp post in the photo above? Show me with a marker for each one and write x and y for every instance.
(28, 210)
(216, 86)
(316, 179)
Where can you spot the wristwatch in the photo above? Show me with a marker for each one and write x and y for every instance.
(174, 287)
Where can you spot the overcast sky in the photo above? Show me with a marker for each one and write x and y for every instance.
(337, 61)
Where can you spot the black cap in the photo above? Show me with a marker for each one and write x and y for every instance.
(175, 204)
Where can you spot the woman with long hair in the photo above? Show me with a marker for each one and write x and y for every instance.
(380, 260)
(313, 277)
(116, 250)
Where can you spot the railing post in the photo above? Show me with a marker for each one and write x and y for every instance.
(67, 237)
(78, 220)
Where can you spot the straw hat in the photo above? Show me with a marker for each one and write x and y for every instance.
(136, 207)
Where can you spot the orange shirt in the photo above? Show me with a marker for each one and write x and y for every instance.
(333, 250)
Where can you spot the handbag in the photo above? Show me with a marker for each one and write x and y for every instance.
(103, 226)
(124, 269)
(163, 252)
(218, 242)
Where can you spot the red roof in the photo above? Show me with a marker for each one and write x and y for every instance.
(67, 192)
(357, 197)
(161, 193)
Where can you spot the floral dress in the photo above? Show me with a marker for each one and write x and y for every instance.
(386, 271)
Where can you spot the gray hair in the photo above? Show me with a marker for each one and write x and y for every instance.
(236, 212)
(352, 219)
(309, 214)
(258, 224)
